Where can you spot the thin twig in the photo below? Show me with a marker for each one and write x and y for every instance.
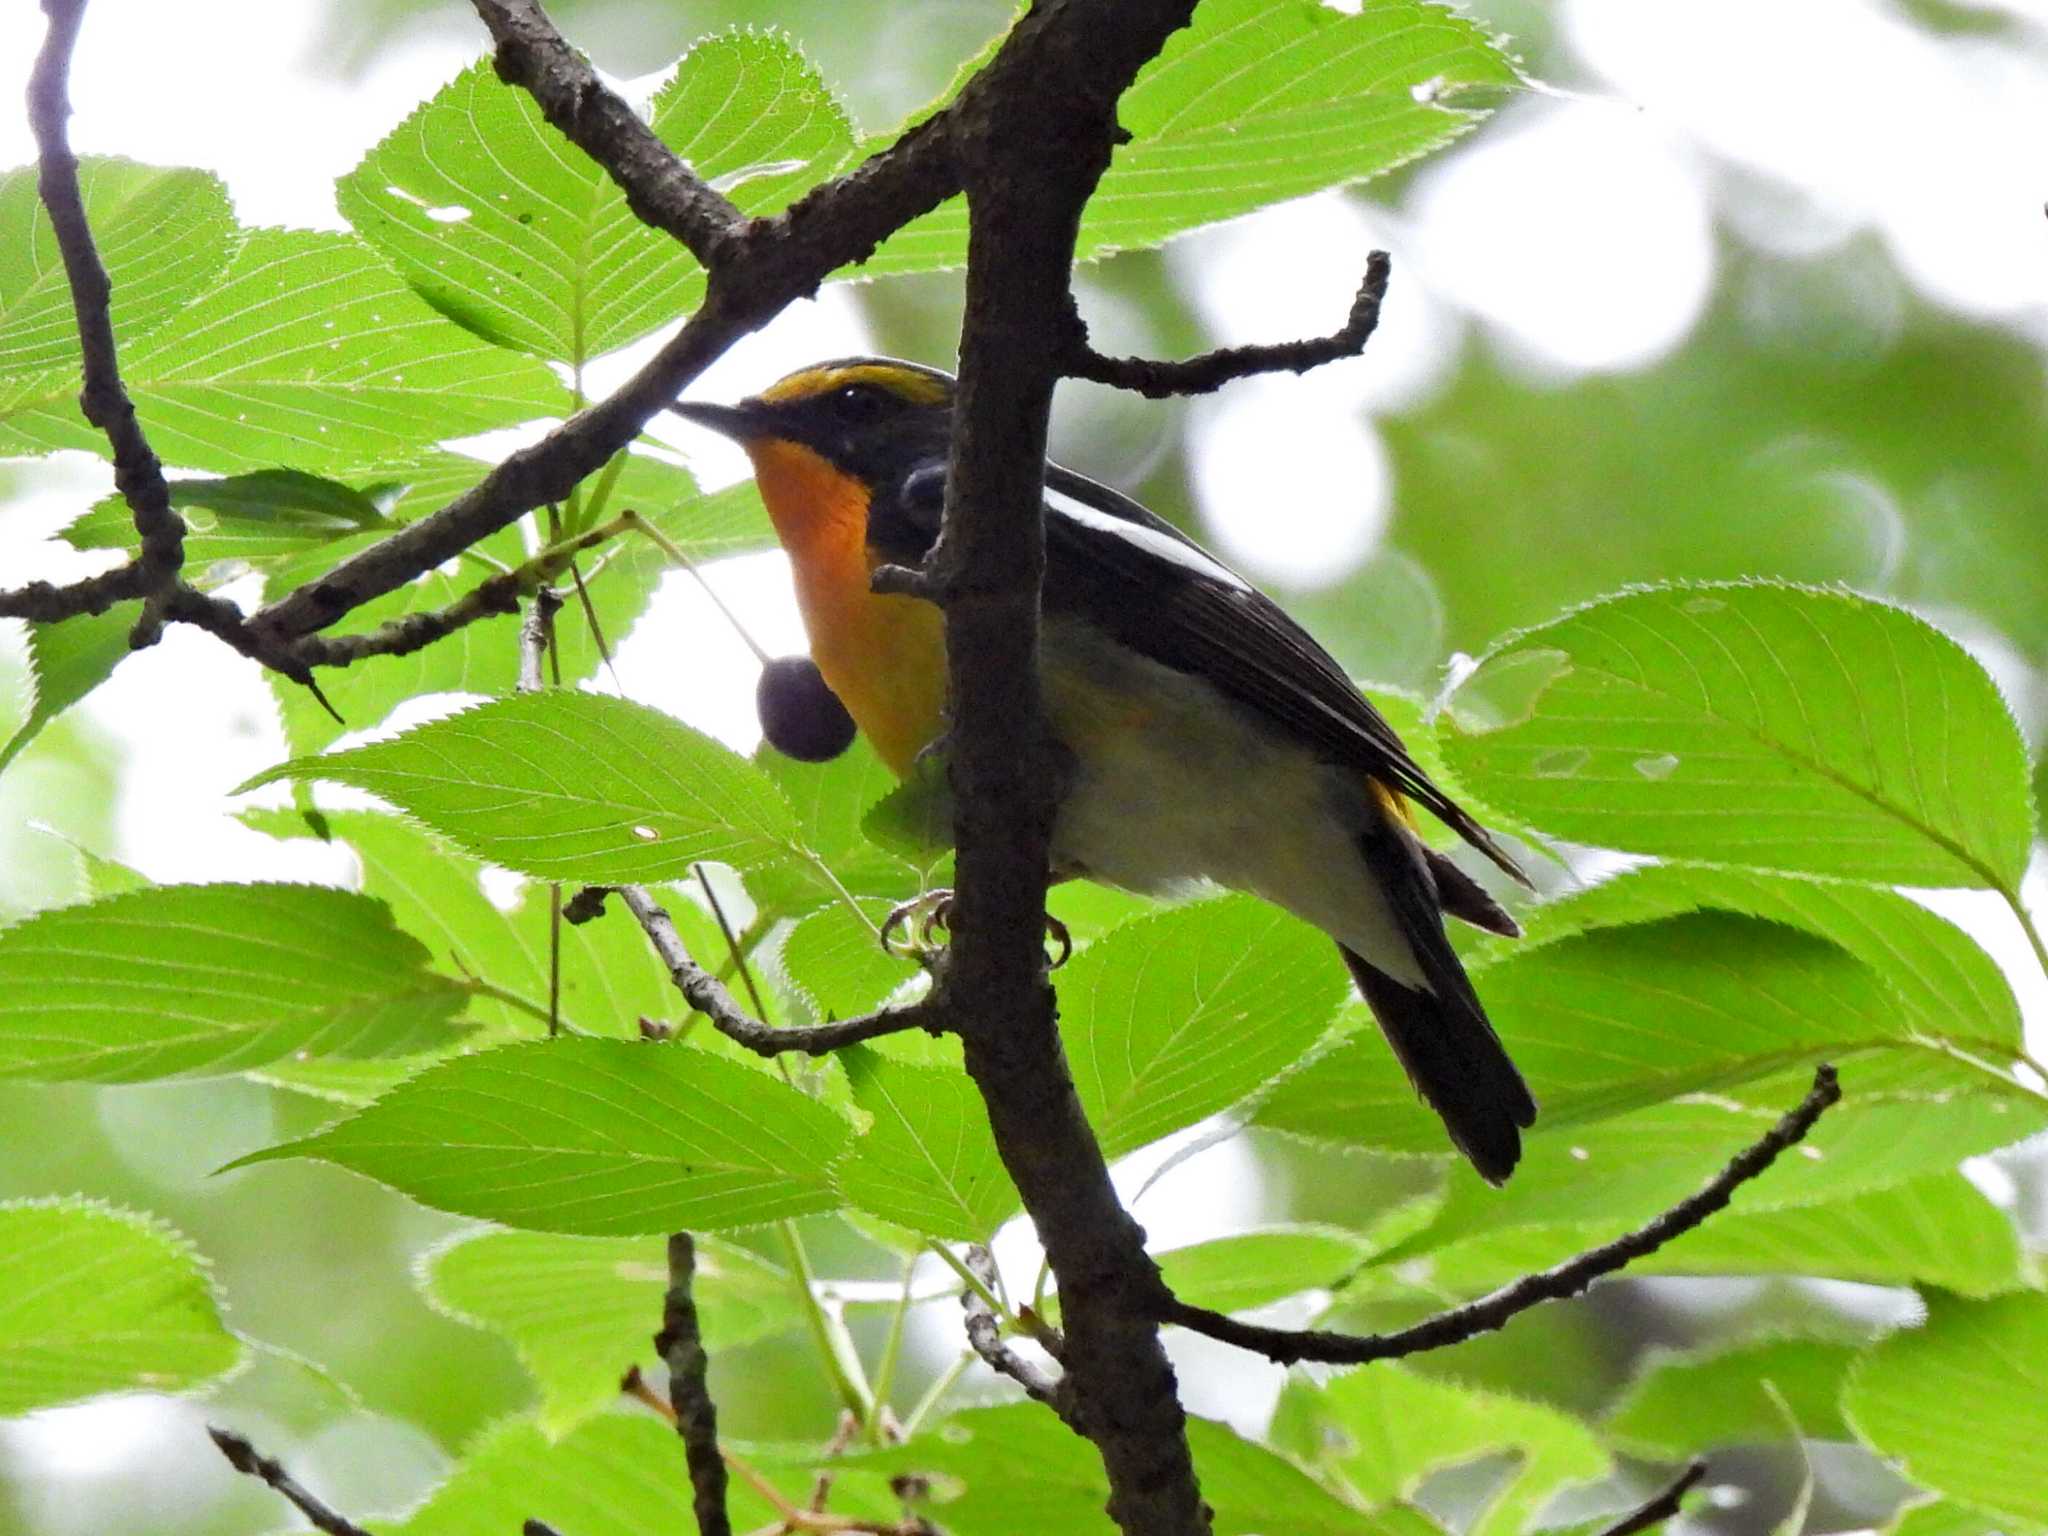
(104, 400)
(1212, 370)
(494, 597)
(1285, 1346)
(733, 951)
(1663, 1507)
(536, 644)
(681, 1347)
(246, 1459)
(707, 995)
(985, 1336)
(537, 637)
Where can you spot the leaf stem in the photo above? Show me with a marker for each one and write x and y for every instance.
(835, 1346)
(601, 491)
(2011, 896)
(935, 1394)
(510, 999)
(892, 1351)
(674, 551)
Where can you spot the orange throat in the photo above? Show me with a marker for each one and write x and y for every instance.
(884, 656)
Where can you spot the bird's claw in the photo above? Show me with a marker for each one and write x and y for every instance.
(913, 929)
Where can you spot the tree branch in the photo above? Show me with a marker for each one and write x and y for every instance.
(1663, 1507)
(681, 1347)
(985, 1337)
(1212, 370)
(1285, 1346)
(246, 1459)
(103, 400)
(707, 995)
(1033, 136)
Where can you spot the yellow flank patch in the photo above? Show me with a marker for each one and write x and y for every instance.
(884, 656)
(1392, 803)
(905, 383)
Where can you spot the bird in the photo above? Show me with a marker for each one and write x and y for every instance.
(1209, 738)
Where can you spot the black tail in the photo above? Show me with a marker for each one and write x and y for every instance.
(1441, 1035)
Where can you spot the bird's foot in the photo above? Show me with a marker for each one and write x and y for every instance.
(915, 929)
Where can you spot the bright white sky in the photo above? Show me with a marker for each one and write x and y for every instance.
(1577, 233)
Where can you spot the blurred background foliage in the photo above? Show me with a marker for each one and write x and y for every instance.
(1818, 410)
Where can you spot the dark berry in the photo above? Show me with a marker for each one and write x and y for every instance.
(801, 717)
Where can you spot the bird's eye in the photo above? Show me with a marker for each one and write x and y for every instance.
(859, 403)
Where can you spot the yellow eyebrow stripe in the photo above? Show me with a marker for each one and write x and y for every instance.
(917, 388)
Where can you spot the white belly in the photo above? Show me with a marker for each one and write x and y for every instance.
(1174, 785)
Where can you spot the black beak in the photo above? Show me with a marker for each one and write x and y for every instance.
(738, 422)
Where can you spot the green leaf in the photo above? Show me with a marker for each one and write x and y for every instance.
(1932, 1230)
(1249, 1488)
(515, 234)
(928, 1161)
(307, 351)
(484, 658)
(833, 958)
(1962, 1403)
(98, 1300)
(1864, 742)
(835, 803)
(579, 1309)
(1686, 1404)
(1935, 1230)
(1947, 987)
(610, 974)
(242, 518)
(1938, 1517)
(1172, 1018)
(1890, 1128)
(1255, 1269)
(570, 786)
(608, 1138)
(1381, 1429)
(163, 235)
(615, 1475)
(67, 661)
(196, 980)
(1615, 1019)
(1257, 103)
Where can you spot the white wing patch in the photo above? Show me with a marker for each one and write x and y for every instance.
(1151, 540)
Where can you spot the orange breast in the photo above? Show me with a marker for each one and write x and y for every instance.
(884, 656)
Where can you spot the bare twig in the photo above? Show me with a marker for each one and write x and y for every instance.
(45, 602)
(985, 1335)
(708, 996)
(1212, 370)
(1662, 1507)
(736, 956)
(1287, 1345)
(103, 400)
(681, 1347)
(494, 597)
(536, 637)
(536, 643)
(246, 1459)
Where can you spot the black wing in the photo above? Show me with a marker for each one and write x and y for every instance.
(1131, 573)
